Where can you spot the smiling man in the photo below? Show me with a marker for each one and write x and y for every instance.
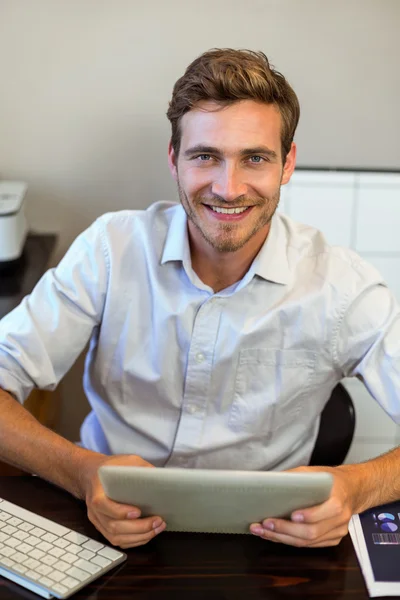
(229, 168)
(218, 327)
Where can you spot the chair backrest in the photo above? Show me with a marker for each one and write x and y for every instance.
(336, 429)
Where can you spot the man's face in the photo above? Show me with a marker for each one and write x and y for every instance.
(229, 172)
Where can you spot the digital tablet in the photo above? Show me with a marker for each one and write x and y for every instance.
(213, 501)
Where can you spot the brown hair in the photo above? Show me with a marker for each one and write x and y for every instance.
(227, 76)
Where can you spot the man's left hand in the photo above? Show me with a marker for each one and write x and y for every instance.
(322, 525)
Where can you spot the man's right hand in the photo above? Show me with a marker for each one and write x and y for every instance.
(119, 523)
(27, 444)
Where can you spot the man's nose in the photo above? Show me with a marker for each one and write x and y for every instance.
(229, 183)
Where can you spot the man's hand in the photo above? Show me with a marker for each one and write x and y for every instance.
(322, 525)
(119, 523)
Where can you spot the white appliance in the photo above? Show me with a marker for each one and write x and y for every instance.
(13, 225)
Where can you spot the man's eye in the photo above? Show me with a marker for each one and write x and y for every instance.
(204, 157)
(256, 159)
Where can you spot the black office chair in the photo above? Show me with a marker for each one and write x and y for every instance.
(336, 429)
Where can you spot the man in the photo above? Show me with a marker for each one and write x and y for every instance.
(218, 330)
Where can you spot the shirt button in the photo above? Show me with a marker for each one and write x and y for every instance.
(200, 357)
(191, 408)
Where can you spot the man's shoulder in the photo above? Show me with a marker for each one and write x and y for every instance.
(133, 232)
(307, 244)
(158, 215)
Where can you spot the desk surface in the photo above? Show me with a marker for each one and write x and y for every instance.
(15, 284)
(177, 566)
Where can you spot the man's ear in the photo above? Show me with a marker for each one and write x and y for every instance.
(290, 164)
(172, 161)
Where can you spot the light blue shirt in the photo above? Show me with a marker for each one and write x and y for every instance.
(185, 377)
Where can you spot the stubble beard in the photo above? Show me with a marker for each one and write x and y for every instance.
(226, 242)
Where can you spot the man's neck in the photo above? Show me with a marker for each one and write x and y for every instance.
(220, 270)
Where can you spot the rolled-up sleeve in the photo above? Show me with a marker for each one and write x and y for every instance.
(41, 338)
(368, 343)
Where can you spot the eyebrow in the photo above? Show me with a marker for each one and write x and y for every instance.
(201, 149)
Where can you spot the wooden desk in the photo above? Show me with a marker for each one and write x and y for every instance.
(15, 284)
(184, 566)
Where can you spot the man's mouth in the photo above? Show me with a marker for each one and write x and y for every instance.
(234, 213)
(228, 211)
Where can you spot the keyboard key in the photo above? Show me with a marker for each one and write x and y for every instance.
(62, 566)
(7, 551)
(45, 546)
(92, 545)
(70, 558)
(2, 524)
(9, 529)
(57, 552)
(3, 536)
(35, 553)
(57, 576)
(61, 543)
(21, 535)
(38, 532)
(87, 566)
(7, 562)
(78, 573)
(33, 575)
(73, 548)
(44, 569)
(49, 560)
(49, 537)
(86, 554)
(25, 526)
(110, 553)
(101, 561)
(32, 540)
(76, 538)
(60, 588)
(31, 563)
(70, 582)
(46, 581)
(25, 548)
(20, 568)
(18, 557)
(12, 542)
(4, 516)
(14, 521)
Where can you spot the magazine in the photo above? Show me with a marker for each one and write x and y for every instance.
(375, 534)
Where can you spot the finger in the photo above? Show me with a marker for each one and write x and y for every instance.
(139, 540)
(332, 538)
(129, 526)
(133, 526)
(114, 510)
(327, 510)
(281, 538)
(311, 536)
(306, 531)
(127, 540)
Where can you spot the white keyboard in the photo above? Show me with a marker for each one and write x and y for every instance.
(46, 557)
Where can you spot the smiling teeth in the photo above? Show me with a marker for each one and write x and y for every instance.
(228, 211)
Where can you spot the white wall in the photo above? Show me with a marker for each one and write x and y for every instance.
(85, 85)
(361, 211)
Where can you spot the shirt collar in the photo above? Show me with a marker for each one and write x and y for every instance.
(177, 242)
(271, 262)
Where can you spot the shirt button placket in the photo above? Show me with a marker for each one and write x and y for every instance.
(198, 377)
